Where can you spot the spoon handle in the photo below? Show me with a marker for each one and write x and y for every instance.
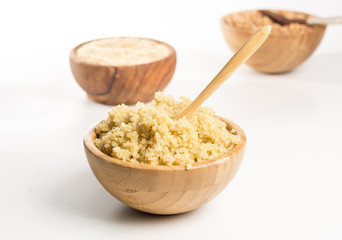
(247, 50)
(324, 21)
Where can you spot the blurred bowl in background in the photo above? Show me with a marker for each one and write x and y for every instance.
(286, 47)
(139, 68)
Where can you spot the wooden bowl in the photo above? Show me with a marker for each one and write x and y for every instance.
(280, 52)
(127, 84)
(164, 189)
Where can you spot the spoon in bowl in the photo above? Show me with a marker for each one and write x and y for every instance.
(282, 20)
(241, 56)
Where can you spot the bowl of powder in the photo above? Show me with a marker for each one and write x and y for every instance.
(287, 46)
(122, 69)
(156, 164)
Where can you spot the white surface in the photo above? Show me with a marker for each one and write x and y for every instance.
(288, 186)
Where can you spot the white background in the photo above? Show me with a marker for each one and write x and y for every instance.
(288, 186)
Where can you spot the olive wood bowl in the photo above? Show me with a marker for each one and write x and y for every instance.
(164, 189)
(280, 52)
(126, 84)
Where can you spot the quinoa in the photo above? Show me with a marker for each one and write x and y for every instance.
(122, 51)
(149, 134)
(253, 20)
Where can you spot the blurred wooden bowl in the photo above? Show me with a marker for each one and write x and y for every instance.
(280, 52)
(164, 189)
(127, 84)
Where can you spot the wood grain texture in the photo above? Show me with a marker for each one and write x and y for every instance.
(114, 85)
(279, 53)
(246, 50)
(164, 189)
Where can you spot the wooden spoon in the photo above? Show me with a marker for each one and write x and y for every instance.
(282, 20)
(242, 55)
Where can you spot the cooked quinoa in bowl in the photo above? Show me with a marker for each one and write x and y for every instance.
(252, 20)
(149, 134)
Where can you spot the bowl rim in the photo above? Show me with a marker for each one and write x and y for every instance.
(223, 22)
(90, 135)
(73, 54)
